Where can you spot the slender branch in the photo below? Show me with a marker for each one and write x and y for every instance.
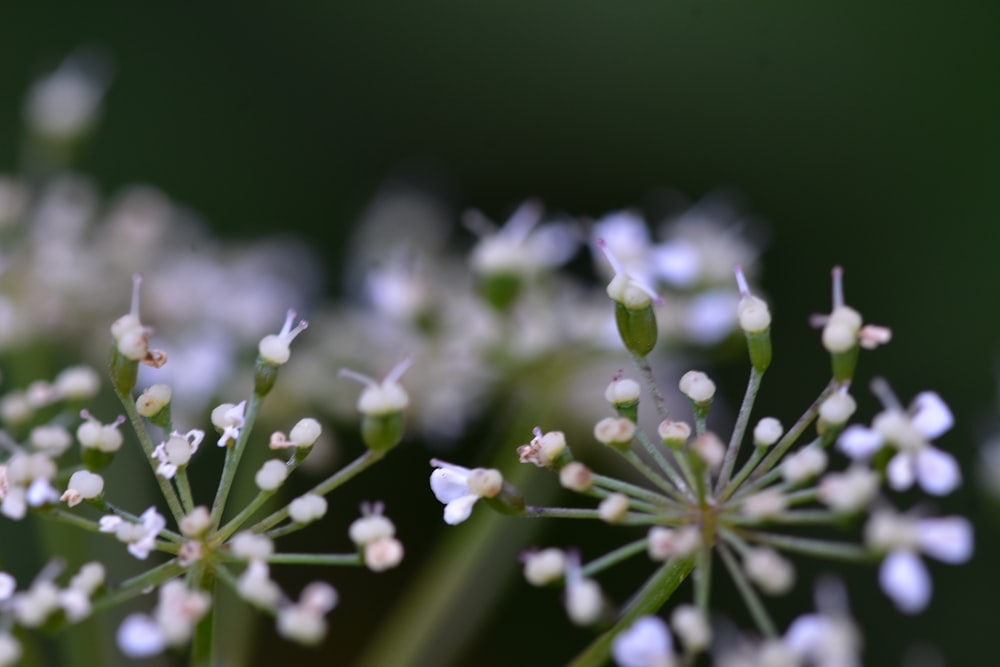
(317, 559)
(614, 557)
(139, 426)
(139, 584)
(656, 454)
(646, 371)
(793, 433)
(739, 430)
(343, 475)
(750, 596)
(852, 553)
(233, 456)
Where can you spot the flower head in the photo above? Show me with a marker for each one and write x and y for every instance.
(459, 488)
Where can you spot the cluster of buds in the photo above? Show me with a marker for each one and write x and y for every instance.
(200, 547)
(708, 498)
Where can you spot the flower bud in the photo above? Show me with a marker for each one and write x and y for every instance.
(698, 387)
(613, 508)
(616, 432)
(576, 476)
(754, 318)
(674, 434)
(307, 508)
(623, 394)
(834, 412)
(544, 567)
(154, 404)
(772, 573)
(271, 475)
(767, 432)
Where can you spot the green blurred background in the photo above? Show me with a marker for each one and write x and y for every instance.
(865, 135)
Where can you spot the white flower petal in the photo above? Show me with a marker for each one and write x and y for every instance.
(937, 471)
(139, 636)
(859, 442)
(904, 578)
(458, 510)
(646, 643)
(900, 471)
(948, 539)
(930, 415)
(448, 485)
(805, 633)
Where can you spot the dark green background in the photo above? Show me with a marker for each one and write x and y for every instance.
(866, 135)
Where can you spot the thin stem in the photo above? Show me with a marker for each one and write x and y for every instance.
(343, 475)
(58, 514)
(654, 452)
(753, 601)
(630, 489)
(852, 553)
(139, 584)
(317, 559)
(799, 517)
(262, 497)
(233, 456)
(793, 433)
(652, 475)
(739, 430)
(648, 600)
(139, 426)
(630, 518)
(646, 371)
(184, 488)
(204, 632)
(755, 458)
(614, 557)
(703, 579)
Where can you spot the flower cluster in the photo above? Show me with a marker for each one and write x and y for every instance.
(705, 498)
(202, 543)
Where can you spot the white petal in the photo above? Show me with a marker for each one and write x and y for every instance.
(805, 633)
(41, 492)
(904, 578)
(677, 263)
(139, 636)
(900, 471)
(948, 539)
(13, 506)
(644, 644)
(859, 442)
(458, 510)
(448, 485)
(937, 471)
(930, 415)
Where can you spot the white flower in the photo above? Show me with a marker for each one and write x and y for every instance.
(140, 537)
(83, 484)
(139, 636)
(176, 451)
(381, 398)
(828, 638)
(521, 246)
(459, 488)
(228, 419)
(271, 475)
(274, 349)
(910, 434)
(645, 643)
(307, 508)
(902, 575)
(304, 434)
(92, 434)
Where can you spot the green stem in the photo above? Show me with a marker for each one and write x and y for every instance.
(204, 632)
(642, 363)
(262, 497)
(851, 553)
(630, 489)
(651, 474)
(614, 557)
(184, 488)
(139, 426)
(343, 475)
(750, 597)
(648, 600)
(739, 430)
(793, 433)
(654, 452)
(317, 559)
(755, 458)
(138, 585)
(233, 456)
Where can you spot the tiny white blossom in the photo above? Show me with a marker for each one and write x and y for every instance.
(139, 636)
(645, 643)
(274, 348)
(381, 398)
(307, 508)
(909, 433)
(459, 488)
(92, 434)
(271, 475)
(902, 575)
(176, 451)
(544, 567)
(83, 485)
(228, 419)
(251, 546)
(305, 433)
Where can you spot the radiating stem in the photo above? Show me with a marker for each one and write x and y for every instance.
(233, 455)
(750, 596)
(317, 559)
(139, 426)
(630, 489)
(343, 475)
(642, 363)
(813, 547)
(739, 430)
(614, 557)
(793, 433)
(139, 585)
(648, 600)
